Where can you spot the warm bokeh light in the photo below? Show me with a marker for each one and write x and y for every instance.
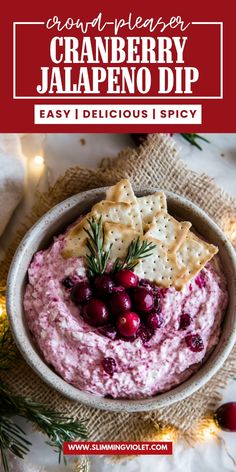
(167, 434)
(1, 310)
(207, 430)
(38, 160)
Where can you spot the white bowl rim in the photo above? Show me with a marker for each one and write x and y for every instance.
(51, 378)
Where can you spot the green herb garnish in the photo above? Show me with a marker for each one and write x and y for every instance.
(137, 250)
(192, 139)
(98, 257)
(57, 426)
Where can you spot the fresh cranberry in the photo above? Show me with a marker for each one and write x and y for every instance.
(200, 280)
(81, 293)
(225, 416)
(194, 342)
(118, 289)
(126, 278)
(96, 312)
(147, 284)
(162, 292)
(128, 324)
(152, 287)
(157, 303)
(103, 285)
(109, 331)
(143, 299)
(154, 320)
(144, 334)
(109, 365)
(119, 303)
(67, 282)
(184, 321)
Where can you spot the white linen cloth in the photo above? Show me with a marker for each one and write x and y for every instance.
(12, 176)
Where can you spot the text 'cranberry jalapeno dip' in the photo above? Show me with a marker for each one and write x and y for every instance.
(129, 301)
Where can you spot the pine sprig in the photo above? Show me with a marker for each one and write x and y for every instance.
(7, 349)
(192, 139)
(12, 439)
(98, 257)
(56, 426)
(137, 250)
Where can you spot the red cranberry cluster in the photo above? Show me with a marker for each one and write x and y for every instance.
(122, 306)
(119, 305)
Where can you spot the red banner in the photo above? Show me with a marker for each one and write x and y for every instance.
(118, 448)
(129, 69)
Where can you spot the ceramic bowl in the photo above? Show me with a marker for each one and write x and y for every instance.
(56, 221)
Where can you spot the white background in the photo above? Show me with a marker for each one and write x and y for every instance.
(218, 159)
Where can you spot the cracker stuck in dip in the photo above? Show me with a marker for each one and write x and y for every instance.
(129, 301)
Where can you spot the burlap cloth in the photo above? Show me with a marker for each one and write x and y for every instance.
(154, 164)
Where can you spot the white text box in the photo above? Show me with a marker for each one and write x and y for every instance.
(117, 114)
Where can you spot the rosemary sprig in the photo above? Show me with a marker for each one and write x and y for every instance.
(56, 426)
(12, 439)
(192, 139)
(137, 250)
(98, 257)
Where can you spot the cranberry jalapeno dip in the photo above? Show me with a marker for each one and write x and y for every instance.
(116, 332)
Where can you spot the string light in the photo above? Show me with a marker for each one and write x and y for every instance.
(166, 434)
(39, 160)
(2, 301)
(207, 430)
(36, 166)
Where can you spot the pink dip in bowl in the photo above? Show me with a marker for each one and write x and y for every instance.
(76, 350)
